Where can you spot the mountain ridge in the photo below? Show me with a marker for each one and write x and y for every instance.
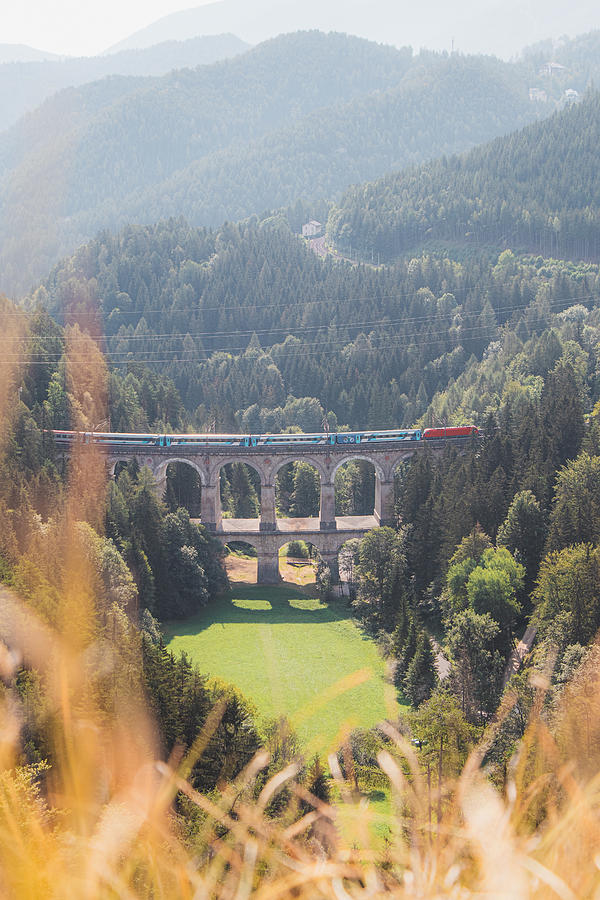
(24, 86)
(15, 53)
(123, 137)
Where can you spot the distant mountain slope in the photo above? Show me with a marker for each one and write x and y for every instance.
(537, 190)
(578, 62)
(24, 85)
(438, 109)
(107, 139)
(208, 18)
(11, 53)
(302, 116)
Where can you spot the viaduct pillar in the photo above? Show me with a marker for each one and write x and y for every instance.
(268, 567)
(331, 559)
(327, 512)
(384, 502)
(210, 506)
(268, 518)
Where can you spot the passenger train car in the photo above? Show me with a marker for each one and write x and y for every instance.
(263, 440)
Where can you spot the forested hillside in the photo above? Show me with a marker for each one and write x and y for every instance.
(252, 133)
(536, 190)
(373, 345)
(440, 106)
(487, 541)
(24, 85)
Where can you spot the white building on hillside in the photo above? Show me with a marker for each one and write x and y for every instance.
(538, 95)
(311, 228)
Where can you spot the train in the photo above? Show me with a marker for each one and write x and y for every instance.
(265, 440)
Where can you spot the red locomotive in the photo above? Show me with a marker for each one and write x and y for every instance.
(451, 431)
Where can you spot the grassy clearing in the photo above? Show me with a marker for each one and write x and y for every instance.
(293, 655)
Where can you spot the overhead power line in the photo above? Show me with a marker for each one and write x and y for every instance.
(307, 348)
(381, 322)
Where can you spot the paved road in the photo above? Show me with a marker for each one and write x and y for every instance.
(520, 652)
(318, 246)
(442, 663)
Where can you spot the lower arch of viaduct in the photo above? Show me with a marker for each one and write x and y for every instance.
(268, 545)
(270, 537)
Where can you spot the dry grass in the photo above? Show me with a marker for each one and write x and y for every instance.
(105, 828)
(241, 569)
(302, 574)
(113, 833)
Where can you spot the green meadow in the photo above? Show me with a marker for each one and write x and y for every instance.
(291, 654)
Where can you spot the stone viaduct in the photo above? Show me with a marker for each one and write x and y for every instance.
(268, 534)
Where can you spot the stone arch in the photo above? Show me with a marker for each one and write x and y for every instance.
(251, 464)
(192, 493)
(353, 504)
(280, 539)
(399, 459)
(245, 539)
(350, 457)
(298, 566)
(241, 566)
(314, 461)
(310, 503)
(327, 546)
(254, 462)
(161, 469)
(112, 466)
(114, 461)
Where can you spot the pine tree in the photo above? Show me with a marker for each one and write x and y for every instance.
(523, 533)
(307, 491)
(407, 654)
(245, 499)
(420, 677)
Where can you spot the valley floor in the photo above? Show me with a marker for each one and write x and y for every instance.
(291, 654)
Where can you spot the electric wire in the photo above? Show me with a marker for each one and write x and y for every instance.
(381, 322)
(117, 356)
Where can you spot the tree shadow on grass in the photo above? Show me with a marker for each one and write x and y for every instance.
(274, 606)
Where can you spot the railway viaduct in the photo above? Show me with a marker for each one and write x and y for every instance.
(268, 534)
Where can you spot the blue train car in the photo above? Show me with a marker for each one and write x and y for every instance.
(205, 440)
(293, 439)
(359, 437)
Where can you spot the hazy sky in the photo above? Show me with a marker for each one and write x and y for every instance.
(87, 27)
(79, 27)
